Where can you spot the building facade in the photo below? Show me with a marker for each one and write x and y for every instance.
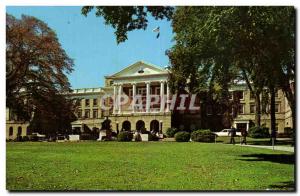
(139, 79)
(117, 102)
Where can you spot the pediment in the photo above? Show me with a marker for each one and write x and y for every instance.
(140, 68)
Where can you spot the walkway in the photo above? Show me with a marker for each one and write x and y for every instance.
(282, 148)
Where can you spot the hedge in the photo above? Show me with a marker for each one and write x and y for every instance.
(203, 135)
(259, 132)
(125, 136)
(182, 136)
(171, 132)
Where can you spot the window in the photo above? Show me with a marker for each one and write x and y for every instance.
(19, 131)
(79, 114)
(276, 93)
(157, 90)
(87, 102)
(219, 110)
(230, 95)
(277, 108)
(95, 113)
(111, 83)
(95, 102)
(11, 131)
(209, 110)
(87, 114)
(230, 109)
(240, 94)
(252, 95)
(130, 92)
(241, 109)
(252, 108)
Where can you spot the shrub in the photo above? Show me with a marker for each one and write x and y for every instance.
(182, 136)
(137, 137)
(18, 139)
(203, 135)
(125, 136)
(25, 138)
(152, 137)
(259, 132)
(33, 138)
(171, 132)
(85, 136)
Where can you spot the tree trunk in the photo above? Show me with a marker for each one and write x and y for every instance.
(257, 109)
(272, 111)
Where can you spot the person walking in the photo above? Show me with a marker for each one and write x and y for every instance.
(244, 134)
(232, 134)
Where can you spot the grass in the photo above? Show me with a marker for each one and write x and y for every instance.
(257, 141)
(146, 166)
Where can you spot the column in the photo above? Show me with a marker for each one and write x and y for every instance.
(148, 97)
(247, 126)
(133, 96)
(119, 98)
(168, 96)
(162, 99)
(115, 99)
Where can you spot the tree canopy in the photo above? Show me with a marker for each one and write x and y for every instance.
(222, 44)
(36, 68)
(128, 18)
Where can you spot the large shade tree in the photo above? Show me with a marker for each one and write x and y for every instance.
(36, 68)
(258, 42)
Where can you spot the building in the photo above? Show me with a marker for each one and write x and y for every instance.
(139, 79)
(148, 82)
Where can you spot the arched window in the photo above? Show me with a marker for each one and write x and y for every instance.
(11, 131)
(126, 126)
(140, 125)
(28, 132)
(154, 126)
(19, 131)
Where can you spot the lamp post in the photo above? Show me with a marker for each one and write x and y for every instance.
(161, 123)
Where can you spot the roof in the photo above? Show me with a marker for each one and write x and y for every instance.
(139, 68)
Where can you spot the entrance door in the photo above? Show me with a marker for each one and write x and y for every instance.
(241, 126)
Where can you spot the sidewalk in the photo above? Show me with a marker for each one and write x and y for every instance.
(282, 148)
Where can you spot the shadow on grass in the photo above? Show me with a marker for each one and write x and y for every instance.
(275, 158)
(289, 185)
(269, 143)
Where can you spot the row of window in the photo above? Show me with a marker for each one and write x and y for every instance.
(87, 113)
(240, 94)
(241, 109)
(87, 102)
(11, 131)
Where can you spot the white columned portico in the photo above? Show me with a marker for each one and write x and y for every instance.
(115, 99)
(147, 96)
(119, 98)
(168, 96)
(162, 99)
(133, 96)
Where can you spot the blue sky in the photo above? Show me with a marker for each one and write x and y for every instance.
(93, 46)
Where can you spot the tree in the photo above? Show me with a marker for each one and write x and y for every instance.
(258, 42)
(128, 18)
(36, 68)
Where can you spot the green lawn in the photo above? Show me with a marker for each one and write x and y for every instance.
(146, 166)
(257, 141)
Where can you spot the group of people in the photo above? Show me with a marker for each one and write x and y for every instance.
(232, 134)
